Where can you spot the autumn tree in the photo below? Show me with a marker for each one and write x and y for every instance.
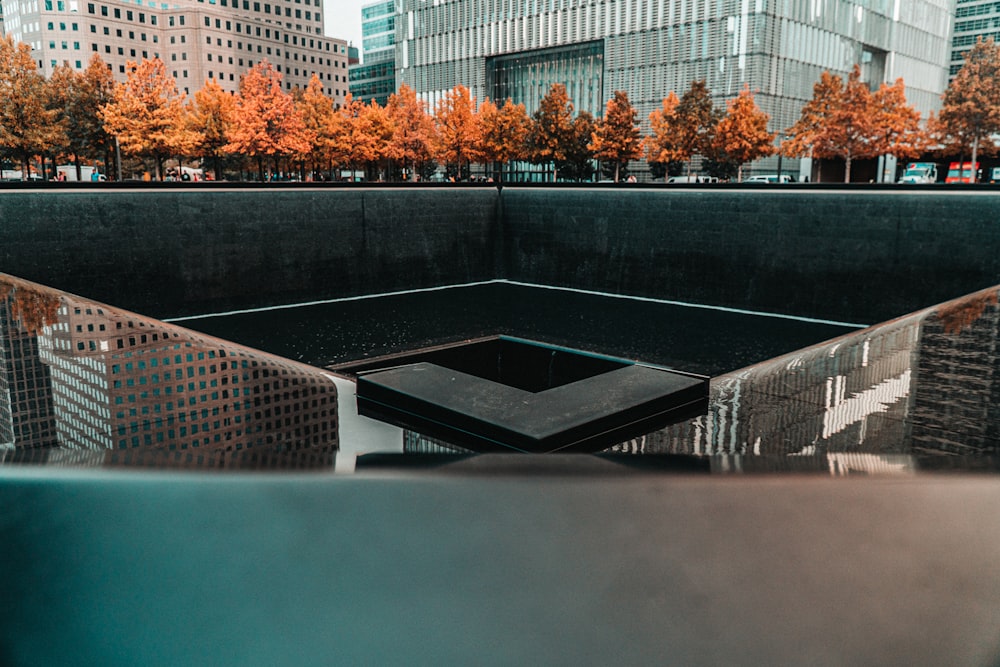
(209, 117)
(897, 123)
(76, 97)
(578, 161)
(377, 127)
(616, 138)
(552, 129)
(504, 133)
(741, 135)
(413, 135)
(457, 128)
(970, 113)
(28, 124)
(840, 121)
(852, 129)
(265, 123)
(808, 137)
(147, 114)
(317, 112)
(661, 145)
(695, 121)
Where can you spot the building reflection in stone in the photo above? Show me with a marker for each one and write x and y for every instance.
(890, 399)
(77, 375)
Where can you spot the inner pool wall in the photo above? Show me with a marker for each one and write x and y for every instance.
(861, 255)
(168, 252)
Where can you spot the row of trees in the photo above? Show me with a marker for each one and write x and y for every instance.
(80, 116)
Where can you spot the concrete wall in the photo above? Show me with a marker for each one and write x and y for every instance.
(168, 252)
(860, 256)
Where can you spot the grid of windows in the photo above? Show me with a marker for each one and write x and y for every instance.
(92, 378)
(777, 47)
(986, 24)
(283, 31)
(375, 80)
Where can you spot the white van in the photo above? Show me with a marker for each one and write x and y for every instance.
(690, 179)
(769, 178)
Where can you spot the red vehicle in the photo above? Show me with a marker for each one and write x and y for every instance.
(961, 172)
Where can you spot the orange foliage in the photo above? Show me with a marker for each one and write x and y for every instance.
(148, 114)
(660, 144)
(27, 123)
(457, 128)
(962, 314)
(265, 121)
(503, 132)
(32, 306)
(742, 136)
(412, 128)
(970, 113)
(617, 138)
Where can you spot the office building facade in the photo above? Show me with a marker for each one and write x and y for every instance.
(779, 48)
(375, 78)
(974, 20)
(197, 39)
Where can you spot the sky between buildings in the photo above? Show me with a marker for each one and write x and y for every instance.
(343, 19)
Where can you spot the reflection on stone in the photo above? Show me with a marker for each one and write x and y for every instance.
(80, 375)
(955, 405)
(868, 402)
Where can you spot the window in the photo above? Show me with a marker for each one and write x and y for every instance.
(91, 9)
(104, 10)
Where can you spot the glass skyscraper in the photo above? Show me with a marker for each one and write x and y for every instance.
(375, 78)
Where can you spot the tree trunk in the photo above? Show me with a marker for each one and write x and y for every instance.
(260, 167)
(79, 169)
(617, 164)
(975, 151)
(847, 169)
(739, 174)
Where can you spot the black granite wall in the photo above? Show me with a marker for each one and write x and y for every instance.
(168, 252)
(861, 256)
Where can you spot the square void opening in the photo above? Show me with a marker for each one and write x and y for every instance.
(506, 394)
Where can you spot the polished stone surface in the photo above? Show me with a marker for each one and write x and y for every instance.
(876, 544)
(856, 255)
(587, 415)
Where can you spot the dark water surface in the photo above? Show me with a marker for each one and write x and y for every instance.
(693, 339)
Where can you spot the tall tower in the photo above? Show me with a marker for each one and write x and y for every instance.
(375, 78)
